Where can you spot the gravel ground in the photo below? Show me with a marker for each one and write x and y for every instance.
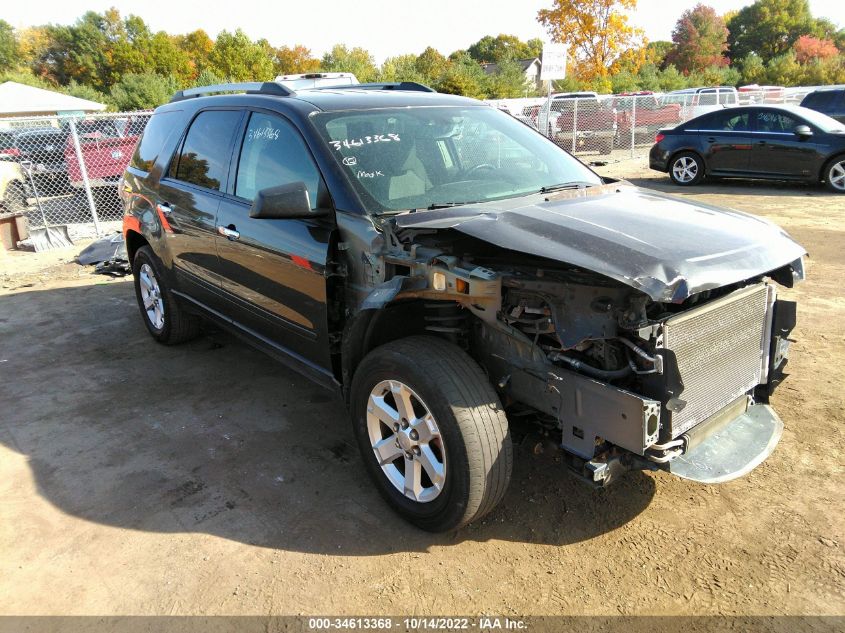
(207, 479)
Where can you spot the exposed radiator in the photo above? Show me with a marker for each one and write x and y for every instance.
(720, 349)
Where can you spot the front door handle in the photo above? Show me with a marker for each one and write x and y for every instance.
(228, 232)
(165, 209)
(712, 139)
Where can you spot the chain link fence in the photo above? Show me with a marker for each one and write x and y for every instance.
(65, 170)
(616, 127)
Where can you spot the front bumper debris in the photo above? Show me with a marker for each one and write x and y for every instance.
(733, 450)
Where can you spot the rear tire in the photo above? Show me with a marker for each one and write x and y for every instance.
(424, 404)
(834, 175)
(165, 319)
(686, 169)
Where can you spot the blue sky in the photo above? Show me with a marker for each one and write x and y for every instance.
(384, 27)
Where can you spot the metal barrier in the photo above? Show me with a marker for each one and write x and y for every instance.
(616, 127)
(65, 170)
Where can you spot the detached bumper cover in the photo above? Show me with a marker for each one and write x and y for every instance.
(733, 450)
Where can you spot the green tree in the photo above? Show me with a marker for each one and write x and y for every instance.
(670, 78)
(143, 91)
(464, 76)
(784, 70)
(495, 49)
(431, 64)
(357, 61)
(700, 39)
(752, 69)
(85, 92)
(401, 68)
(508, 81)
(237, 57)
(9, 53)
(769, 28)
(657, 51)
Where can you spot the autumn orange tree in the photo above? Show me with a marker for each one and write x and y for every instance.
(599, 36)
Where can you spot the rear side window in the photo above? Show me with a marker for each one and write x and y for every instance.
(727, 121)
(204, 159)
(153, 140)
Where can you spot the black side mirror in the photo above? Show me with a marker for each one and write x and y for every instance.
(803, 130)
(284, 201)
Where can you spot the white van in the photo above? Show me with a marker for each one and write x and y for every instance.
(316, 80)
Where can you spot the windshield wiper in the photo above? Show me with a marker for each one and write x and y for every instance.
(447, 205)
(566, 185)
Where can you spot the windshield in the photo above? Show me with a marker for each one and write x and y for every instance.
(416, 158)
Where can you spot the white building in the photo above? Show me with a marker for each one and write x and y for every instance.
(20, 100)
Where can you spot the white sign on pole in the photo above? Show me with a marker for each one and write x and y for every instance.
(554, 62)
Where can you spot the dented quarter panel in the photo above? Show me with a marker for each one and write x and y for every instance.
(663, 246)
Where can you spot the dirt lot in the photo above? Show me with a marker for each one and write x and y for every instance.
(207, 479)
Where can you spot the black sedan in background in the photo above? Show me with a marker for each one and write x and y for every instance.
(775, 142)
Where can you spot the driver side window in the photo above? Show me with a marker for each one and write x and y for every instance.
(273, 154)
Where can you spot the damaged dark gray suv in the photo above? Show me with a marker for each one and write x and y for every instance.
(443, 266)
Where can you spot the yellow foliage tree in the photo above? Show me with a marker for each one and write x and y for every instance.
(598, 34)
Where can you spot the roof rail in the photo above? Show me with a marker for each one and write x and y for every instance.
(250, 87)
(412, 86)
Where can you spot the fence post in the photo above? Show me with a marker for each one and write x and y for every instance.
(633, 123)
(574, 124)
(85, 182)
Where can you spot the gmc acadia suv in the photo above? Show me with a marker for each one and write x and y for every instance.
(441, 265)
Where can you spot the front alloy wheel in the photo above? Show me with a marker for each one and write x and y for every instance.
(432, 432)
(406, 441)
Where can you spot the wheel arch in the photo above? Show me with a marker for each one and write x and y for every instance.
(826, 165)
(687, 150)
(370, 329)
(134, 241)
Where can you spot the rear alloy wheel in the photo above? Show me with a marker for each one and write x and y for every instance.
(686, 169)
(432, 433)
(165, 319)
(835, 175)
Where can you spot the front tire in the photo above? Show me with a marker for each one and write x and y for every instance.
(834, 175)
(432, 433)
(165, 319)
(686, 169)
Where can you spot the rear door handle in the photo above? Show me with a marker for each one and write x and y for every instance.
(712, 139)
(228, 233)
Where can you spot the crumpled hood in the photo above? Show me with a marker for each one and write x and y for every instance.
(666, 247)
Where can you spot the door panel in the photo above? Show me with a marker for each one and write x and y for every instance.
(190, 230)
(274, 270)
(189, 198)
(778, 150)
(727, 140)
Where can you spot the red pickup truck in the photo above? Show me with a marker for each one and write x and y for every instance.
(581, 121)
(106, 145)
(644, 113)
